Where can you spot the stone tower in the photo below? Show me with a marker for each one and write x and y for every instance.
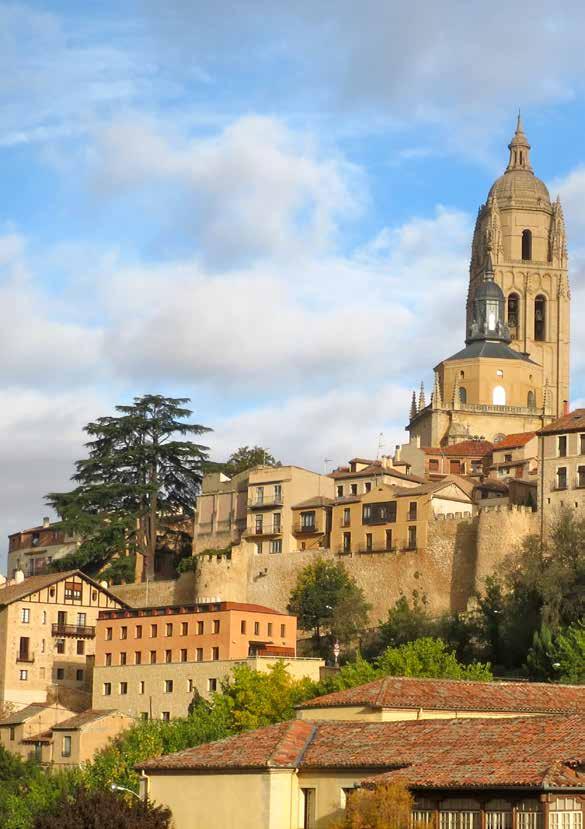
(513, 374)
(525, 235)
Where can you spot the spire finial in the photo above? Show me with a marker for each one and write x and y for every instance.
(519, 149)
(519, 127)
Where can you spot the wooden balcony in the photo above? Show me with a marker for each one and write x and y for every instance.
(78, 631)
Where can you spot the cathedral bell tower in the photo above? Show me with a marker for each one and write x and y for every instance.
(513, 374)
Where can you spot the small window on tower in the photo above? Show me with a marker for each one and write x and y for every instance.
(539, 318)
(526, 245)
(513, 315)
(462, 395)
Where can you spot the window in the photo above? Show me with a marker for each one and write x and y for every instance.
(259, 524)
(215, 654)
(183, 654)
(168, 686)
(307, 807)
(243, 626)
(190, 686)
(123, 688)
(433, 465)
(199, 655)
(25, 615)
(507, 458)
(388, 539)
(308, 520)
(412, 507)
(200, 628)
(412, 538)
(212, 685)
(277, 522)
(277, 493)
(460, 813)
(23, 675)
(153, 631)
(80, 647)
(138, 632)
(531, 401)
(353, 489)
(340, 491)
(256, 628)
(581, 476)
(169, 629)
(66, 747)
(23, 649)
(582, 444)
(529, 815)
(43, 646)
(562, 446)
(108, 634)
(107, 689)
(462, 394)
(107, 659)
(79, 675)
(562, 477)
(259, 494)
(346, 517)
(526, 245)
(540, 318)
(215, 625)
(153, 657)
(565, 813)
(44, 613)
(138, 657)
(369, 542)
(123, 632)
(383, 512)
(368, 486)
(144, 715)
(269, 629)
(258, 548)
(168, 656)
(499, 396)
(60, 646)
(346, 542)
(12, 732)
(165, 716)
(73, 591)
(141, 686)
(513, 315)
(498, 814)
(122, 657)
(276, 545)
(184, 628)
(283, 631)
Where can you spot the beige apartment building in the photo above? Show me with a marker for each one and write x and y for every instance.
(47, 630)
(23, 723)
(150, 661)
(391, 519)
(561, 478)
(361, 475)
(34, 549)
(516, 456)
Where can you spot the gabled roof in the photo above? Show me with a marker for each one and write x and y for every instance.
(15, 592)
(85, 718)
(532, 752)
(434, 488)
(317, 501)
(572, 422)
(375, 468)
(515, 441)
(26, 713)
(464, 449)
(458, 695)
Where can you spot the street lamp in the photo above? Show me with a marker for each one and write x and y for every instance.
(115, 788)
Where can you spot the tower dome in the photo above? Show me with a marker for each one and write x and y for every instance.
(519, 186)
(488, 321)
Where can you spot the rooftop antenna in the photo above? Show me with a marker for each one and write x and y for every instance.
(326, 462)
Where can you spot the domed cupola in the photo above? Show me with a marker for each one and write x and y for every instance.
(488, 315)
(519, 186)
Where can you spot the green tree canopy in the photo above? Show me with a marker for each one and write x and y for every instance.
(429, 657)
(104, 808)
(137, 478)
(246, 457)
(326, 599)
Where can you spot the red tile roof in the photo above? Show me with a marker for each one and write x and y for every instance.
(375, 468)
(467, 448)
(572, 422)
(450, 753)
(458, 695)
(515, 441)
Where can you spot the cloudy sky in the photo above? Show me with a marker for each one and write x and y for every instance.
(266, 207)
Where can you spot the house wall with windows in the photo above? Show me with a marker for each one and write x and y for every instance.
(34, 549)
(562, 458)
(47, 630)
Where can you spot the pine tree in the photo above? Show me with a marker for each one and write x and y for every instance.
(137, 479)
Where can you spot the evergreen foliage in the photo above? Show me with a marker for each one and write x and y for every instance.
(247, 457)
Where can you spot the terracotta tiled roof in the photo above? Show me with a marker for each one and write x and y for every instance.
(24, 714)
(450, 753)
(515, 441)
(42, 737)
(317, 501)
(374, 468)
(434, 487)
(572, 422)
(459, 695)
(467, 448)
(15, 592)
(86, 717)
(276, 746)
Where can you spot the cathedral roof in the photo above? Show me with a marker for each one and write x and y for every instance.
(519, 185)
(486, 348)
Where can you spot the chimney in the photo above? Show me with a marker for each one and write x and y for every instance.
(565, 407)
(46, 522)
(18, 577)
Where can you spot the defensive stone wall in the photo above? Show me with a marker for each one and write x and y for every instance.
(501, 531)
(157, 593)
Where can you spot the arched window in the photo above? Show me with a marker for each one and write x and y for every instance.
(531, 400)
(499, 396)
(514, 315)
(540, 318)
(462, 395)
(527, 245)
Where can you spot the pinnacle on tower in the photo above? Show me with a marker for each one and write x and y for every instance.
(455, 399)
(519, 150)
(488, 273)
(421, 398)
(436, 400)
(413, 406)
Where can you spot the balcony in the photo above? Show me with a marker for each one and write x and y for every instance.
(265, 501)
(25, 657)
(264, 530)
(306, 529)
(79, 631)
(345, 551)
(376, 548)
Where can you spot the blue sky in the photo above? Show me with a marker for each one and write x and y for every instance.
(265, 207)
